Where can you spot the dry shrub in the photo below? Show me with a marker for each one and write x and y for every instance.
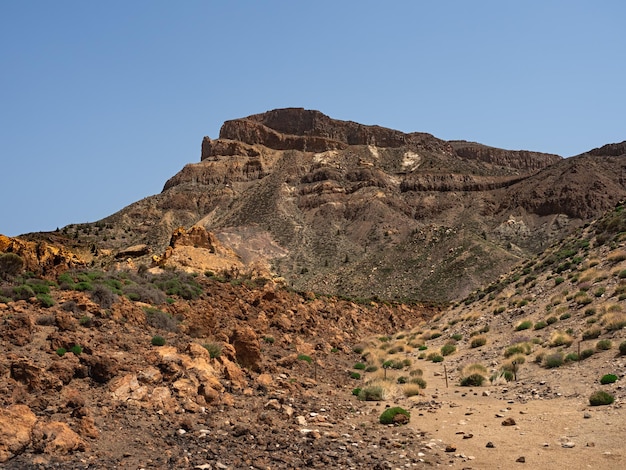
(560, 338)
(411, 390)
(614, 321)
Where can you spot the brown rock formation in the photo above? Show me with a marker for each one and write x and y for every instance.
(40, 257)
(16, 425)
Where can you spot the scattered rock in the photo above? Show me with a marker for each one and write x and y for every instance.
(509, 422)
(490, 445)
(521, 459)
(16, 425)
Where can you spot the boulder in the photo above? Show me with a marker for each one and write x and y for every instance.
(16, 426)
(247, 347)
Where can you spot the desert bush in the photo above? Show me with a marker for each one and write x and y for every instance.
(591, 333)
(76, 349)
(416, 373)
(622, 348)
(448, 349)
(23, 292)
(158, 340)
(524, 325)
(608, 379)
(179, 284)
(269, 339)
(147, 293)
(305, 358)
(434, 357)
(518, 348)
(478, 341)
(571, 357)
(540, 325)
(604, 345)
(103, 296)
(553, 360)
(457, 336)
(473, 380)
(359, 348)
(389, 414)
(355, 375)
(45, 300)
(586, 353)
(356, 391)
(85, 321)
(418, 381)
(160, 320)
(11, 265)
(565, 316)
(372, 393)
(61, 351)
(402, 379)
(371, 368)
(601, 397)
(614, 321)
(411, 389)
(359, 366)
(560, 338)
(214, 349)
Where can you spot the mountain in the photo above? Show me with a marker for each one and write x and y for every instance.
(338, 207)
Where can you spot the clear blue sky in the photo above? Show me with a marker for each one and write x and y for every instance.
(102, 102)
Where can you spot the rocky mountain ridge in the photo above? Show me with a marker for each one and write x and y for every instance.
(343, 208)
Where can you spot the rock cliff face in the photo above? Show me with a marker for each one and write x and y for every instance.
(344, 208)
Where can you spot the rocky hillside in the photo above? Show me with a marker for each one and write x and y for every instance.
(338, 207)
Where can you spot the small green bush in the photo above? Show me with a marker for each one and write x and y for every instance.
(422, 348)
(402, 379)
(372, 393)
(553, 360)
(76, 349)
(356, 391)
(45, 300)
(61, 351)
(473, 380)
(359, 366)
(448, 349)
(305, 358)
(540, 325)
(371, 368)
(355, 375)
(358, 349)
(434, 357)
(387, 416)
(601, 397)
(608, 379)
(478, 341)
(524, 325)
(158, 340)
(418, 381)
(604, 345)
(565, 316)
(592, 333)
(622, 348)
(571, 357)
(586, 353)
(85, 321)
(269, 339)
(10, 265)
(457, 336)
(215, 349)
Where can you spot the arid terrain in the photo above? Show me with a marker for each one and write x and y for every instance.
(309, 275)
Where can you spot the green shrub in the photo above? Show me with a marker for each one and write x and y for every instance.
(565, 316)
(448, 349)
(269, 339)
(372, 393)
(518, 348)
(215, 349)
(371, 368)
(558, 280)
(402, 379)
(85, 321)
(434, 357)
(45, 300)
(180, 284)
(622, 348)
(524, 325)
(160, 320)
(358, 349)
(61, 351)
(571, 357)
(10, 265)
(551, 320)
(76, 349)
(540, 325)
(592, 333)
(359, 366)
(586, 353)
(305, 358)
(158, 340)
(418, 381)
(604, 345)
(608, 379)
(601, 397)
(388, 415)
(356, 391)
(473, 380)
(478, 341)
(457, 336)
(553, 360)
(355, 375)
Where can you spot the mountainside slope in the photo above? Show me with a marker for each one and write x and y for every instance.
(343, 208)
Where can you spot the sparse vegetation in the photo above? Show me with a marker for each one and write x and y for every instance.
(214, 349)
(524, 325)
(604, 345)
(600, 398)
(372, 393)
(478, 341)
(387, 416)
(448, 349)
(553, 360)
(305, 358)
(473, 380)
(608, 379)
(158, 340)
